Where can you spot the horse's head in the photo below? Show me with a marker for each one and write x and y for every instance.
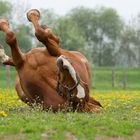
(70, 86)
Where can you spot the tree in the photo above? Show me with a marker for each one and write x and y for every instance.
(101, 29)
(108, 32)
(22, 31)
(48, 17)
(84, 18)
(23, 37)
(71, 37)
(138, 40)
(128, 44)
(5, 10)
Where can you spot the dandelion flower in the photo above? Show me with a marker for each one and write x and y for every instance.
(3, 114)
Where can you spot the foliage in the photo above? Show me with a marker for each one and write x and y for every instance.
(99, 33)
(21, 30)
(48, 17)
(101, 28)
(23, 37)
(5, 9)
(70, 36)
(127, 51)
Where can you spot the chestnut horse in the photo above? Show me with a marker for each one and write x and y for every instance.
(50, 76)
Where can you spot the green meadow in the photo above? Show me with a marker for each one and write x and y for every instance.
(119, 120)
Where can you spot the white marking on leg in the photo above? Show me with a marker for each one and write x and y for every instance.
(3, 56)
(80, 89)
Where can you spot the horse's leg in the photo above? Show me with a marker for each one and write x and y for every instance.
(10, 38)
(44, 35)
(21, 93)
(9, 62)
(5, 59)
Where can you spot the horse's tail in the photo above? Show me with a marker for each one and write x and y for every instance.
(95, 102)
(93, 106)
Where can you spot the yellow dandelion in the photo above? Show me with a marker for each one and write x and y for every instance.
(3, 114)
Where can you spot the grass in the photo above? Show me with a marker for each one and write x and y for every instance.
(120, 118)
(102, 78)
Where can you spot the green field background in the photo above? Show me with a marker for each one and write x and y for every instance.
(101, 78)
(118, 120)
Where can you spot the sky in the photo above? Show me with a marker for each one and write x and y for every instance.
(127, 9)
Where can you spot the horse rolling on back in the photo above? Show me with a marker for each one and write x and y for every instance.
(50, 76)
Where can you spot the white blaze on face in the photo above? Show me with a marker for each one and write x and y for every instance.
(3, 56)
(66, 63)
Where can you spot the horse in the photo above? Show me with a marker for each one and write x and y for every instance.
(50, 76)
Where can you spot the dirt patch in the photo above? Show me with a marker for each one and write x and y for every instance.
(68, 135)
(135, 136)
(45, 136)
(18, 136)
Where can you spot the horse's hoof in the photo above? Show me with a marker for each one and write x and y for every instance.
(3, 24)
(33, 13)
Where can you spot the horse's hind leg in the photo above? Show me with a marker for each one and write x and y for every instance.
(10, 38)
(43, 34)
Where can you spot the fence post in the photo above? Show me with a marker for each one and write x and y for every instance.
(8, 78)
(113, 77)
(0, 75)
(124, 80)
(94, 79)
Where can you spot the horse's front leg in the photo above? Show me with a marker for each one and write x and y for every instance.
(5, 59)
(17, 56)
(44, 35)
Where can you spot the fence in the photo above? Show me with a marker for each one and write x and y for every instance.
(7, 76)
(115, 78)
(102, 78)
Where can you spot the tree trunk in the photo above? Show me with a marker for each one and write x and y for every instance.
(94, 79)
(113, 78)
(124, 80)
(100, 59)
